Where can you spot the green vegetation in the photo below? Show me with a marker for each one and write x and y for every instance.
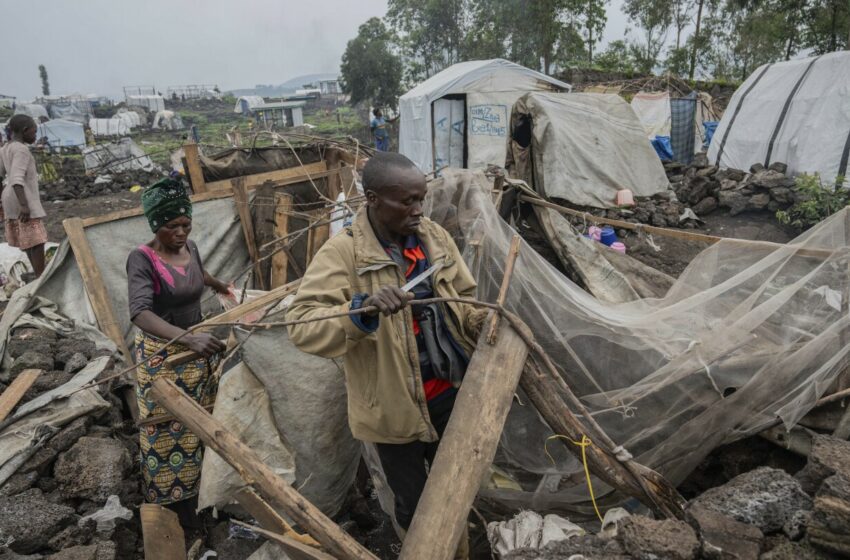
(370, 71)
(816, 201)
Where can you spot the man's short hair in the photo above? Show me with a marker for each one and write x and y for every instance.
(19, 123)
(377, 171)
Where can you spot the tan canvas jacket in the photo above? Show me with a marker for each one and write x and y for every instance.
(386, 400)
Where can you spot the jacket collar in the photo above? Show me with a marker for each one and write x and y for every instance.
(368, 251)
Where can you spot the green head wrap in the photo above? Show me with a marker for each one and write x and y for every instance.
(164, 201)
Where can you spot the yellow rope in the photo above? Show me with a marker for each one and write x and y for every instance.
(584, 444)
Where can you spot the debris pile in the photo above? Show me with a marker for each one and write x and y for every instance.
(765, 513)
(71, 181)
(705, 188)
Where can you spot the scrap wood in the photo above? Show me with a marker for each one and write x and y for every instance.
(240, 198)
(294, 549)
(269, 519)
(251, 468)
(510, 261)
(15, 392)
(162, 534)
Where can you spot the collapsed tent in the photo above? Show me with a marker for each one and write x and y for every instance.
(109, 127)
(792, 112)
(167, 120)
(70, 110)
(582, 148)
(246, 103)
(124, 155)
(62, 134)
(459, 117)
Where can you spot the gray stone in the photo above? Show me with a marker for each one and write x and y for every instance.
(67, 347)
(657, 219)
(589, 547)
(676, 178)
(17, 348)
(829, 456)
(92, 469)
(219, 539)
(768, 179)
(782, 195)
(32, 360)
(699, 189)
(707, 172)
(18, 482)
(733, 200)
(722, 537)
(829, 526)
(700, 160)
(35, 335)
(779, 167)
(756, 167)
(764, 497)
(705, 206)
(47, 382)
(647, 539)
(795, 528)
(773, 206)
(73, 535)
(88, 552)
(6, 554)
(62, 441)
(791, 551)
(75, 363)
(728, 185)
(759, 201)
(32, 520)
(735, 174)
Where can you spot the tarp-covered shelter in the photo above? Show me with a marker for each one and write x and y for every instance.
(123, 155)
(681, 118)
(77, 110)
(582, 148)
(152, 103)
(167, 120)
(109, 127)
(794, 112)
(62, 133)
(459, 117)
(37, 112)
(247, 102)
(130, 118)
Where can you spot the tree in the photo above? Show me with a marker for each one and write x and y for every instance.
(618, 57)
(654, 17)
(45, 86)
(827, 26)
(594, 16)
(681, 14)
(370, 70)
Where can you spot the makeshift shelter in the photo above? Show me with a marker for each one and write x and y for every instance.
(680, 118)
(37, 112)
(123, 155)
(459, 117)
(77, 110)
(151, 103)
(109, 127)
(792, 112)
(62, 133)
(167, 120)
(582, 148)
(130, 118)
(247, 102)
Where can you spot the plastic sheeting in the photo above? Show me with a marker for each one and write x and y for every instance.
(793, 112)
(167, 120)
(62, 134)
(109, 127)
(33, 110)
(130, 118)
(503, 81)
(653, 110)
(247, 102)
(584, 146)
(748, 333)
(152, 103)
(124, 155)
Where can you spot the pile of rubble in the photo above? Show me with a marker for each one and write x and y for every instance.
(762, 514)
(705, 188)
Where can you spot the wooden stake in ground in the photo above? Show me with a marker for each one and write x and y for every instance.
(510, 261)
(264, 211)
(280, 260)
(251, 468)
(162, 533)
(467, 447)
(195, 171)
(240, 198)
(15, 392)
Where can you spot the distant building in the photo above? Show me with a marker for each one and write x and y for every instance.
(330, 87)
(279, 114)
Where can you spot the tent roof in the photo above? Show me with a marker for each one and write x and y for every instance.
(492, 75)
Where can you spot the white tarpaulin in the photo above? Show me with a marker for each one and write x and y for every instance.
(62, 133)
(653, 110)
(109, 127)
(584, 147)
(130, 118)
(449, 126)
(502, 82)
(33, 110)
(794, 112)
(123, 155)
(152, 103)
(247, 102)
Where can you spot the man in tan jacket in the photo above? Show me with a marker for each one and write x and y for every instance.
(403, 364)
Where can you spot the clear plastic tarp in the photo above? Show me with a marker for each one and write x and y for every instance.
(750, 332)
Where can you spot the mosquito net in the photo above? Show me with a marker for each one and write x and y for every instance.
(750, 332)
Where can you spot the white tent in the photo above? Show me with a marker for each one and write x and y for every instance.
(583, 148)
(130, 118)
(62, 134)
(167, 120)
(794, 112)
(152, 103)
(247, 102)
(434, 129)
(109, 127)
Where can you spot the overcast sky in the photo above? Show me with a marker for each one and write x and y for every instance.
(98, 46)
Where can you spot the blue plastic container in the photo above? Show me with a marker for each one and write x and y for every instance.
(609, 236)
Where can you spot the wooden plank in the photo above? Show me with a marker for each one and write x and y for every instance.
(313, 170)
(209, 195)
(195, 171)
(346, 178)
(243, 208)
(467, 447)
(294, 549)
(280, 260)
(94, 285)
(268, 518)
(264, 211)
(321, 233)
(15, 392)
(252, 469)
(508, 272)
(162, 533)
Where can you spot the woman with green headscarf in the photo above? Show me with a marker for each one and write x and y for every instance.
(165, 279)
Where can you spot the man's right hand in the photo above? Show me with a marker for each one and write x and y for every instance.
(24, 213)
(388, 300)
(204, 344)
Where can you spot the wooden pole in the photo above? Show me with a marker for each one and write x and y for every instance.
(251, 468)
(510, 260)
(240, 198)
(280, 260)
(322, 232)
(195, 171)
(15, 392)
(264, 215)
(268, 518)
(467, 447)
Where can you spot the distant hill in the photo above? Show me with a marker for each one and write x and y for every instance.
(286, 88)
